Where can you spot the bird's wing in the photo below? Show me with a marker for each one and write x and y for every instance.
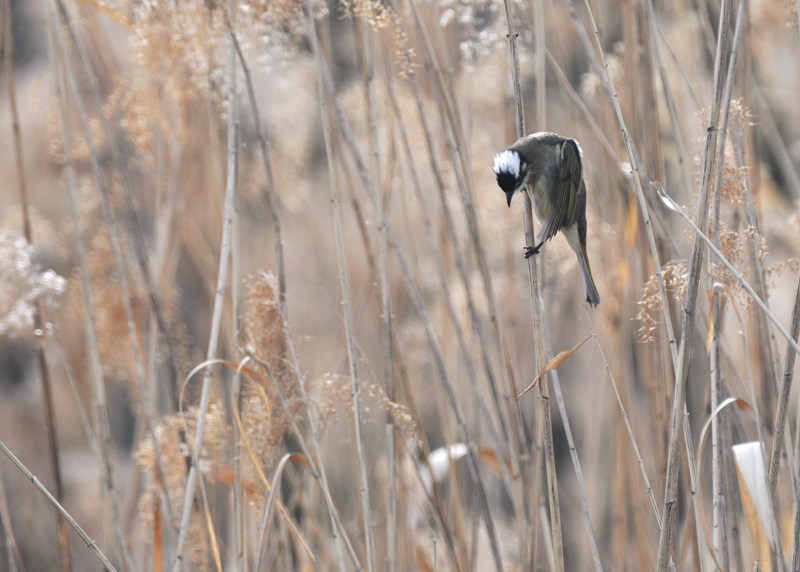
(564, 193)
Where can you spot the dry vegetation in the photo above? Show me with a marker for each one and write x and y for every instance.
(262, 305)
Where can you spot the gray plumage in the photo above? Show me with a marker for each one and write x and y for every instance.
(550, 168)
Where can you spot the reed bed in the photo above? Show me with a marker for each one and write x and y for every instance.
(263, 306)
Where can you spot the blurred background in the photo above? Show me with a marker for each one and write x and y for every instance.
(365, 248)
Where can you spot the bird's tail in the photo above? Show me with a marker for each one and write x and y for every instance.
(588, 282)
(573, 238)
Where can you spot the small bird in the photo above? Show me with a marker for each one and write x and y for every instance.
(550, 168)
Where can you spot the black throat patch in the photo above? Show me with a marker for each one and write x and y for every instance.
(507, 181)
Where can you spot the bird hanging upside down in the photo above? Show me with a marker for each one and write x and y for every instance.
(550, 168)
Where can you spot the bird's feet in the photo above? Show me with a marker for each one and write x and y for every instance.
(531, 250)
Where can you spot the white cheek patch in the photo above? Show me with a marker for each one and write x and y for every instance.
(507, 162)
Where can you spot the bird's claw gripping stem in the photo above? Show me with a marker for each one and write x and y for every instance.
(531, 250)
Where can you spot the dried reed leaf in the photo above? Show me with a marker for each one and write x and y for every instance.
(272, 500)
(158, 540)
(489, 456)
(553, 364)
(423, 563)
(757, 501)
(631, 232)
(296, 458)
(743, 406)
(710, 320)
(212, 535)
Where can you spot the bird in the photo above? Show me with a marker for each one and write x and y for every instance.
(549, 167)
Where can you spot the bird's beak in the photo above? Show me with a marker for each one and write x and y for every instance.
(508, 198)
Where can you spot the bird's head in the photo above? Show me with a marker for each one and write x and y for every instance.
(510, 170)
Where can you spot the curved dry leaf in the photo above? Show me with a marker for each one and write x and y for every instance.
(743, 406)
(756, 499)
(553, 364)
(300, 460)
(489, 456)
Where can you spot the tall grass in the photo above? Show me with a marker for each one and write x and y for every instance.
(262, 245)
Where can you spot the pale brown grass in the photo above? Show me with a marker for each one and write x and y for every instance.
(438, 328)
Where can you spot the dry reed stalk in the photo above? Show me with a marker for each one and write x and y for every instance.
(240, 548)
(779, 427)
(264, 146)
(461, 267)
(446, 290)
(422, 313)
(455, 137)
(545, 429)
(576, 464)
(346, 309)
(796, 531)
(715, 382)
(91, 544)
(196, 441)
(718, 255)
(135, 230)
(51, 427)
(386, 300)
(100, 406)
(678, 401)
(232, 108)
(715, 377)
(12, 548)
(718, 522)
(721, 71)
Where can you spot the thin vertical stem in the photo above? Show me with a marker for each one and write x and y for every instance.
(240, 551)
(100, 405)
(545, 433)
(61, 510)
(12, 548)
(386, 298)
(715, 381)
(687, 327)
(540, 57)
(263, 144)
(573, 452)
(720, 543)
(219, 303)
(419, 307)
(464, 185)
(135, 227)
(783, 399)
(240, 548)
(346, 310)
(51, 429)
